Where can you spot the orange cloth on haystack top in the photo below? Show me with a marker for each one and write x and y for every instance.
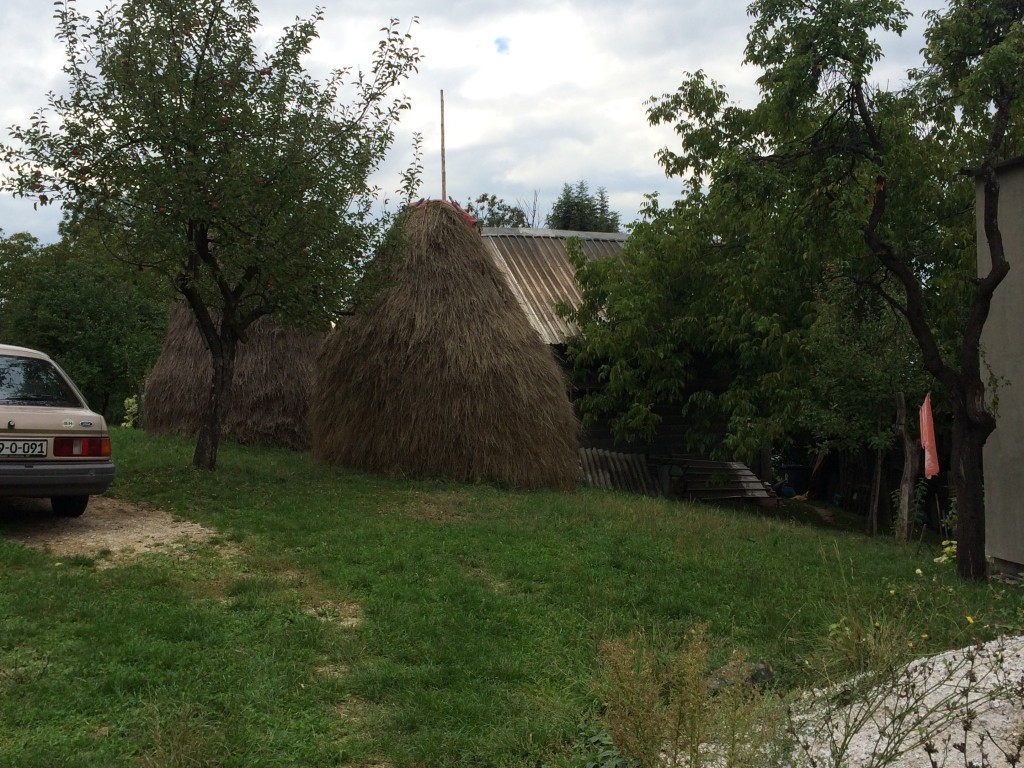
(931, 458)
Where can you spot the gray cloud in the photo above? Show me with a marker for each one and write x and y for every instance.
(537, 95)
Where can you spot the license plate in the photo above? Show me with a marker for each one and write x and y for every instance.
(22, 449)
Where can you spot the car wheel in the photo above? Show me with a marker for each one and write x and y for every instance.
(69, 506)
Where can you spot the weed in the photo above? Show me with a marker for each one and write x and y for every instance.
(678, 710)
(184, 737)
(592, 748)
(131, 412)
(876, 718)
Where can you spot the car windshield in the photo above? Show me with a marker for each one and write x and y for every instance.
(29, 380)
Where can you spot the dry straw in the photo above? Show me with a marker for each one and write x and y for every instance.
(442, 374)
(270, 398)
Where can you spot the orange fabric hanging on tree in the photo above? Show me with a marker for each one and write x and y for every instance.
(931, 457)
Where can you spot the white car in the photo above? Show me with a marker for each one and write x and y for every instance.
(51, 444)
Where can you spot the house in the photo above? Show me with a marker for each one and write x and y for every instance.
(536, 265)
(1004, 355)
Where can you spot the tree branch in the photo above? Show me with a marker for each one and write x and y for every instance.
(913, 310)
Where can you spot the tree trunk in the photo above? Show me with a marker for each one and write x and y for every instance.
(218, 400)
(904, 518)
(876, 494)
(972, 421)
(968, 483)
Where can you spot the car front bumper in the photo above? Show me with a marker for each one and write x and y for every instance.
(55, 478)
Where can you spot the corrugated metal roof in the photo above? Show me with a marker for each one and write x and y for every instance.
(540, 275)
(711, 480)
(612, 471)
(674, 476)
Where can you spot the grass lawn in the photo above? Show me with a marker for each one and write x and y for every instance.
(346, 619)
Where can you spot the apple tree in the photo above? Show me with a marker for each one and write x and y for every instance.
(831, 174)
(229, 171)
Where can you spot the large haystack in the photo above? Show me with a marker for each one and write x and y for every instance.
(273, 376)
(442, 375)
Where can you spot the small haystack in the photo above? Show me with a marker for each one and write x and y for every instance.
(442, 375)
(273, 376)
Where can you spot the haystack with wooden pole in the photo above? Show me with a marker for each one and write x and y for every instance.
(442, 375)
(270, 398)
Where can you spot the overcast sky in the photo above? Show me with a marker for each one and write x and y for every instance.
(537, 93)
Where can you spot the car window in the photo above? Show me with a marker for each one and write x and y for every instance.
(31, 380)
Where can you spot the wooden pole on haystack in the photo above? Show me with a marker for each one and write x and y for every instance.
(444, 176)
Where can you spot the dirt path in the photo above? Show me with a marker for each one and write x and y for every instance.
(109, 525)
